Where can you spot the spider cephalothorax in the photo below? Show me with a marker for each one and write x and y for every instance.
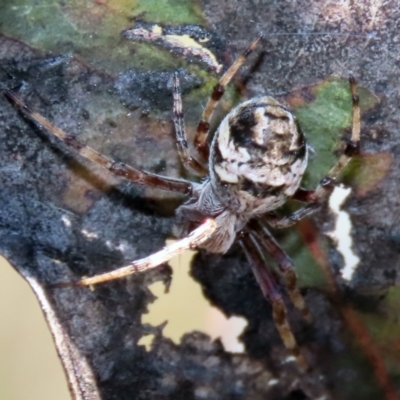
(256, 162)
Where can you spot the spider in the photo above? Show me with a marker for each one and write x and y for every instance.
(254, 164)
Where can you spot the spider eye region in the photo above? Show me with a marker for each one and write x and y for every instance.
(258, 156)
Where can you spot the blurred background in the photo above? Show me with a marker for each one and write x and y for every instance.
(29, 366)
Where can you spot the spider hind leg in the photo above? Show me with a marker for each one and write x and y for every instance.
(285, 266)
(315, 198)
(269, 287)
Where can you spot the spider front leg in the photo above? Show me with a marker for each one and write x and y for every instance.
(325, 187)
(117, 168)
(269, 287)
(188, 161)
(194, 239)
(203, 127)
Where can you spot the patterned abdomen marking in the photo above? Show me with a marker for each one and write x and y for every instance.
(258, 156)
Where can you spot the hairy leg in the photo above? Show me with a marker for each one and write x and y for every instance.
(325, 187)
(269, 287)
(196, 237)
(119, 169)
(284, 263)
(203, 127)
(188, 161)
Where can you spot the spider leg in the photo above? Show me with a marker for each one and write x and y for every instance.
(289, 220)
(285, 265)
(325, 187)
(117, 168)
(188, 161)
(269, 287)
(194, 239)
(203, 127)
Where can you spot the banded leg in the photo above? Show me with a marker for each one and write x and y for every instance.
(269, 287)
(203, 127)
(117, 168)
(284, 263)
(181, 138)
(325, 187)
(196, 237)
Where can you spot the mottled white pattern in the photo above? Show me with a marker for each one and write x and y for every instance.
(296, 174)
(251, 205)
(274, 130)
(227, 147)
(227, 172)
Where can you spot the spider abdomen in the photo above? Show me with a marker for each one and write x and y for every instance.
(258, 157)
